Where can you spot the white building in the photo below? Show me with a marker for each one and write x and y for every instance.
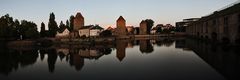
(65, 33)
(90, 31)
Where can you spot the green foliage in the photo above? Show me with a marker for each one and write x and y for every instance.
(106, 33)
(62, 27)
(28, 30)
(52, 26)
(11, 30)
(150, 24)
(7, 28)
(43, 32)
(68, 25)
(71, 23)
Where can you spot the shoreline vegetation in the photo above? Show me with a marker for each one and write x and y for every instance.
(47, 42)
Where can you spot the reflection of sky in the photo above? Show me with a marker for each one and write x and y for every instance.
(166, 63)
(105, 12)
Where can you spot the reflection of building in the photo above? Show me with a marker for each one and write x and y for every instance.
(146, 46)
(121, 29)
(77, 61)
(90, 53)
(222, 25)
(121, 49)
(65, 51)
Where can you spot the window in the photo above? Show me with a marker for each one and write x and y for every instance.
(214, 22)
(238, 18)
(225, 21)
(206, 27)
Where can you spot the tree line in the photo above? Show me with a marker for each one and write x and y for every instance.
(11, 29)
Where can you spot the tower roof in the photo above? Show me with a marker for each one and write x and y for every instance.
(79, 15)
(121, 18)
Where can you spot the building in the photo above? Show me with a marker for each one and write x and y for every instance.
(63, 34)
(78, 22)
(85, 31)
(121, 29)
(154, 30)
(130, 30)
(223, 25)
(90, 31)
(95, 31)
(181, 26)
(143, 28)
(136, 31)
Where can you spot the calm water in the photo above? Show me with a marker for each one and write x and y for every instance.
(163, 59)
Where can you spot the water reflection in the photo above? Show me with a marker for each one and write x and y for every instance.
(224, 59)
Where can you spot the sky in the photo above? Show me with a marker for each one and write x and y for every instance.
(106, 12)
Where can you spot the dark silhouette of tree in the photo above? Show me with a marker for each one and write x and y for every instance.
(52, 26)
(7, 28)
(159, 28)
(106, 33)
(28, 30)
(43, 30)
(150, 24)
(68, 25)
(62, 27)
(17, 26)
(71, 23)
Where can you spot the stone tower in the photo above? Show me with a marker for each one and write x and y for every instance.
(78, 21)
(121, 29)
(143, 28)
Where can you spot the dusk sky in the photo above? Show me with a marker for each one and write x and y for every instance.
(106, 12)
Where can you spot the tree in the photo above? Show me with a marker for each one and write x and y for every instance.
(52, 26)
(106, 33)
(61, 27)
(28, 30)
(68, 24)
(7, 28)
(71, 23)
(159, 30)
(150, 24)
(43, 30)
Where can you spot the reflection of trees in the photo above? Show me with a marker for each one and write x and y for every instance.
(28, 57)
(12, 59)
(146, 46)
(165, 42)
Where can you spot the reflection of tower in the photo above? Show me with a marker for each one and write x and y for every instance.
(121, 48)
(146, 46)
(77, 61)
(121, 27)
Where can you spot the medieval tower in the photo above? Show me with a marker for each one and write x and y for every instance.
(121, 29)
(143, 28)
(78, 22)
